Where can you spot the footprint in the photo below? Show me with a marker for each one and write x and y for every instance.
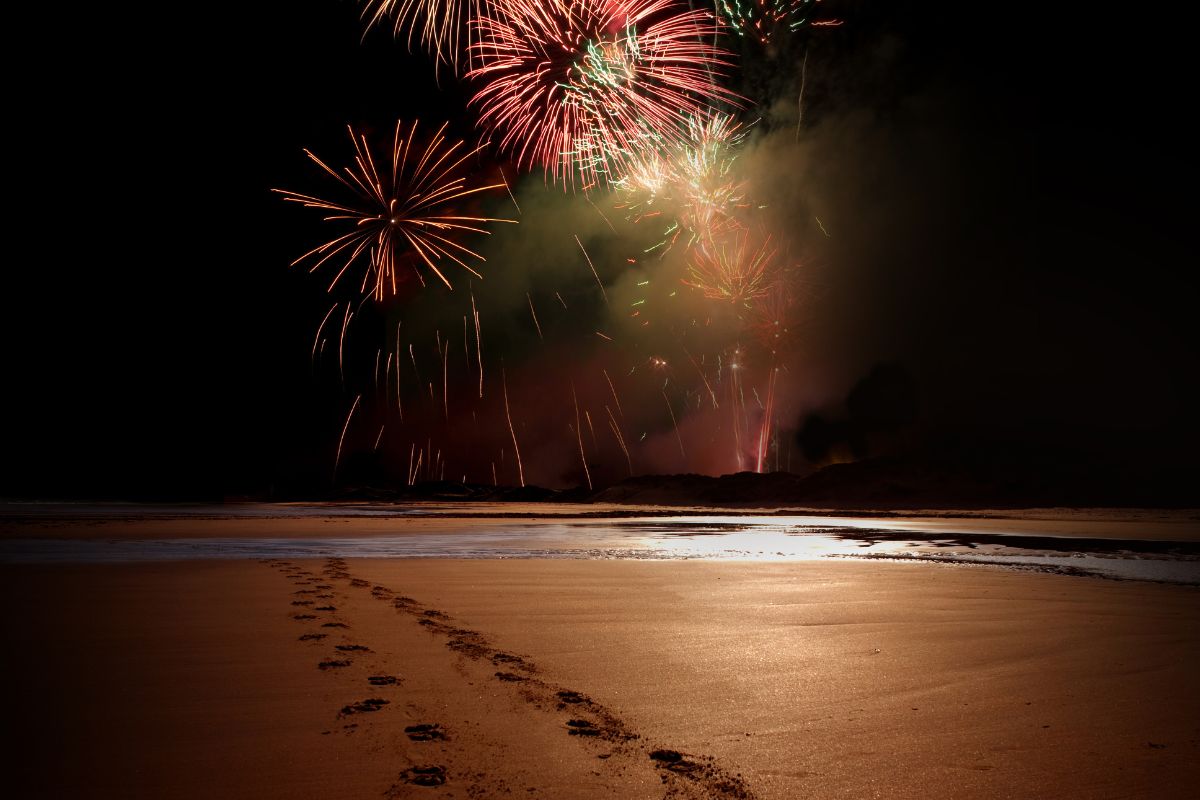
(468, 648)
(424, 776)
(325, 608)
(330, 624)
(358, 582)
(313, 637)
(509, 658)
(333, 664)
(433, 612)
(353, 648)
(425, 732)
(304, 616)
(302, 602)
(673, 760)
(511, 677)
(383, 680)
(363, 706)
(581, 727)
(567, 696)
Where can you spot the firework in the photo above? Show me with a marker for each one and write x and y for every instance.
(688, 185)
(704, 165)
(763, 20)
(773, 316)
(400, 215)
(439, 25)
(737, 268)
(571, 85)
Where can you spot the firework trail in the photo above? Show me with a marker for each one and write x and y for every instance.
(534, 315)
(579, 435)
(764, 432)
(613, 389)
(571, 85)
(591, 429)
(342, 344)
(592, 267)
(616, 429)
(321, 327)
(399, 401)
(511, 196)
(342, 439)
(478, 343)
(764, 20)
(400, 215)
(508, 416)
(675, 423)
(441, 26)
(704, 378)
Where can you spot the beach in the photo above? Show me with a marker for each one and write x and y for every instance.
(440, 677)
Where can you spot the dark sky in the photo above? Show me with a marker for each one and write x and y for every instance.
(1010, 188)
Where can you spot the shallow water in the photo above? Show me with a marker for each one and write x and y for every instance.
(768, 538)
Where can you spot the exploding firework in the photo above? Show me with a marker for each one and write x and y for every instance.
(573, 85)
(621, 95)
(766, 19)
(399, 216)
(737, 269)
(690, 182)
(706, 161)
(704, 165)
(439, 25)
(773, 316)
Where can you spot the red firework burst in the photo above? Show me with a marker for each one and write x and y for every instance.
(739, 268)
(398, 208)
(572, 86)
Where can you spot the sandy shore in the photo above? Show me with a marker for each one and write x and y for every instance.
(597, 679)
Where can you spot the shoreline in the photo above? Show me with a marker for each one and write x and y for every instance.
(304, 520)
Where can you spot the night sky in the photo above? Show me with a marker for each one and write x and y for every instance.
(1004, 194)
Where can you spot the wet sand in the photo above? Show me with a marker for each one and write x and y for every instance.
(597, 679)
(313, 520)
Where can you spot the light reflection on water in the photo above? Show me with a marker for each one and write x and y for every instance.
(758, 538)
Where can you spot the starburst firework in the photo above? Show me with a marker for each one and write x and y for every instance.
(402, 214)
(574, 86)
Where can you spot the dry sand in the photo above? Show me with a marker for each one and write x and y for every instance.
(770, 680)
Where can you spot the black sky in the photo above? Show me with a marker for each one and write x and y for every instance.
(1039, 255)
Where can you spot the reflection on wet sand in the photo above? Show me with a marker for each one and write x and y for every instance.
(652, 536)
